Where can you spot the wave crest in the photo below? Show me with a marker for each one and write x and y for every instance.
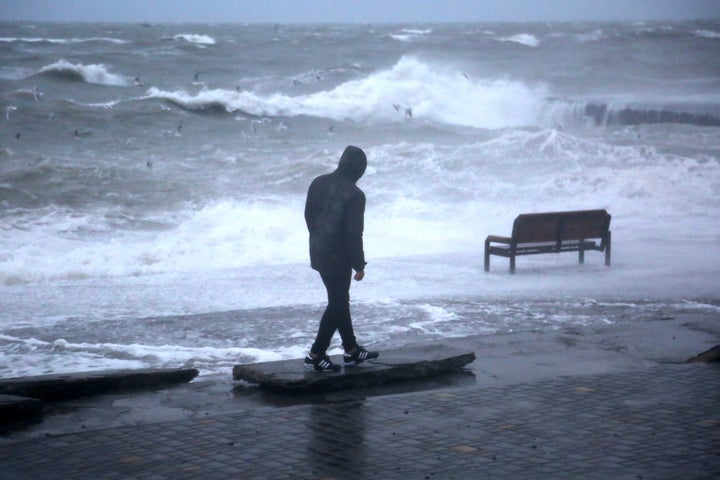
(196, 39)
(410, 89)
(94, 73)
(707, 34)
(409, 34)
(526, 39)
(218, 101)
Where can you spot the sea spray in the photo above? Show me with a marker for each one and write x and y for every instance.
(169, 230)
(410, 89)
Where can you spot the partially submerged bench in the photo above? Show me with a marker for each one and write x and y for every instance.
(553, 232)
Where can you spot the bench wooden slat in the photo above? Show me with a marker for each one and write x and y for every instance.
(529, 232)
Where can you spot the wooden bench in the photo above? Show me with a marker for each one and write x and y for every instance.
(553, 232)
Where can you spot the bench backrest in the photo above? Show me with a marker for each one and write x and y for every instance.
(560, 226)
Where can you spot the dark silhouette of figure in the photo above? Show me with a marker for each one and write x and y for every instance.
(334, 214)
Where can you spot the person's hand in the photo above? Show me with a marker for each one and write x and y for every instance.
(359, 275)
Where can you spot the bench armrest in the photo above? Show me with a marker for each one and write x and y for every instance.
(497, 239)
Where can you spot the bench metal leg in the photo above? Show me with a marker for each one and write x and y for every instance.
(608, 242)
(487, 256)
(512, 263)
(581, 255)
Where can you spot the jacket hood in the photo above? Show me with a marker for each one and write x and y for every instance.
(353, 163)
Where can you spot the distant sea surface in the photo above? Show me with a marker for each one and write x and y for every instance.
(153, 177)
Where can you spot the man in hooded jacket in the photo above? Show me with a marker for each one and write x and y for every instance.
(334, 214)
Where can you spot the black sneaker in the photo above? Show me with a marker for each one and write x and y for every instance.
(359, 355)
(320, 364)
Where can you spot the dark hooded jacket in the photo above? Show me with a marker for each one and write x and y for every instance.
(334, 214)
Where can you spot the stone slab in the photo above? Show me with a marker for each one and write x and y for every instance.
(13, 407)
(74, 385)
(391, 366)
(711, 355)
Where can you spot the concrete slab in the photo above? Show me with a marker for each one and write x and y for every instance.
(74, 385)
(14, 408)
(391, 366)
(711, 355)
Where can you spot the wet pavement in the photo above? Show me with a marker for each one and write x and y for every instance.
(612, 401)
(659, 422)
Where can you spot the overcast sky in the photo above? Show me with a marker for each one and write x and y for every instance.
(353, 11)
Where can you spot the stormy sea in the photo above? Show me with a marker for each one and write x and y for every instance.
(153, 178)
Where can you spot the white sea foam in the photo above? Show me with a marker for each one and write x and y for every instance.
(402, 37)
(422, 197)
(707, 34)
(195, 38)
(107, 105)
(430, 92)
(62, 40)
(410, 34)
(30, 356)
(526, 39)
(227, 234)
(93, 73)
(435, 318)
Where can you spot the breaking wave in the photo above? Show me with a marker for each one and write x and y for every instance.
(196, 39)
(409, 34)
(410, 89)
(526, 39)
(77, 72)
(424, 188)
(427, 92)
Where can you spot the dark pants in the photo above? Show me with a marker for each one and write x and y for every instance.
(337, 313)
